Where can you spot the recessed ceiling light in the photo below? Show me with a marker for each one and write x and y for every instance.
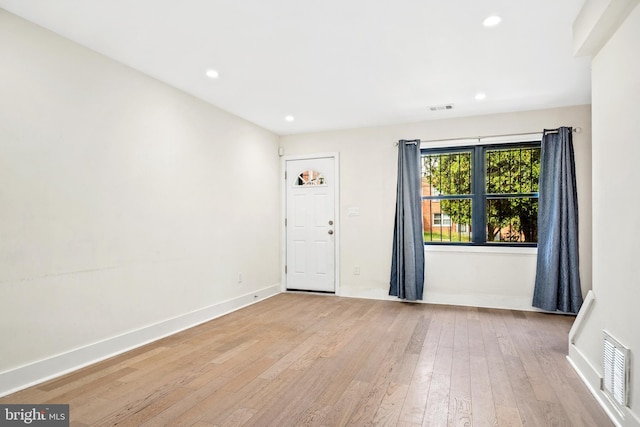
(480, 96)
(289, 118)
(492, 21)
(213, 74)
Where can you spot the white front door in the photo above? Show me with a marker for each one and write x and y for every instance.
(310, 224)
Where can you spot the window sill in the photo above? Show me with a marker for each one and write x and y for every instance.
(513, 250)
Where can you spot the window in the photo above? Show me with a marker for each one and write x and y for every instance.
(441, 219)
(309, 178)
(482, 195)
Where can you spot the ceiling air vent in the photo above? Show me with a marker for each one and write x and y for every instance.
(615, 371)
(441, 107)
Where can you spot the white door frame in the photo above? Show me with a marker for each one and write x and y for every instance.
(283, 212)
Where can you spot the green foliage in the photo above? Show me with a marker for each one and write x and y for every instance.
(512, 171)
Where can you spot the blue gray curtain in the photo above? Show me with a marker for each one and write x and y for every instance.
(407, 265)
(557, 286)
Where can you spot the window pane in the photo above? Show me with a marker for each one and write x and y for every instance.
(308, 178)
(447, 220)
(512, 220)
(513, 170)
(446, 173)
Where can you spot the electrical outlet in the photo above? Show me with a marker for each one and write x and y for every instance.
(239, 277)
(356, 270)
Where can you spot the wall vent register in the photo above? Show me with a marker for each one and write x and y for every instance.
(615, 379)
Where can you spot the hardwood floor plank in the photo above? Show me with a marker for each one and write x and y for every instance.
(483, 407)
(501, 390)
(293, 401)
(136, 415)
(238, 417)
(508, 416)
(241, 378)
(233, 351)
(32, 394)
(381, 382)
(416, 400)
(568, 400)
(266, 390)
(460, 385)
(389, 411)
(315, 415)
(526, 342)
(92, 388)
(381, 331)
(191, 403)
(595, 414)
(344, 408)
(99, 369)
(290, 358)
(531, 412)
(348, 363)
(306, 360)
(89, 409)
(419, 334)
(437, 409)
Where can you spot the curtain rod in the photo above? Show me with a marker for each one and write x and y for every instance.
(576, 130)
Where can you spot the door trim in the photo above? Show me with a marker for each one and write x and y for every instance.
(283, 212)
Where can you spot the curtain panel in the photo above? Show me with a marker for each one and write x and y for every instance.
(557, 285)
(407, 264)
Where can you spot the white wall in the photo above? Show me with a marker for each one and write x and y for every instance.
(477, 276)
(616, 269)
(124, 203)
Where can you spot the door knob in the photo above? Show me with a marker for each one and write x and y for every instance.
(330, 231)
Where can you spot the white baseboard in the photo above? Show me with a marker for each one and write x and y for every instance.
(482, 300)
(55, 366)
(475, 300)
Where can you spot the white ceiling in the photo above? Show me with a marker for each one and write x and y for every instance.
(337, 63)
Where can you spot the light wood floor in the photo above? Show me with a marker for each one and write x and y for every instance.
(300, 359)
